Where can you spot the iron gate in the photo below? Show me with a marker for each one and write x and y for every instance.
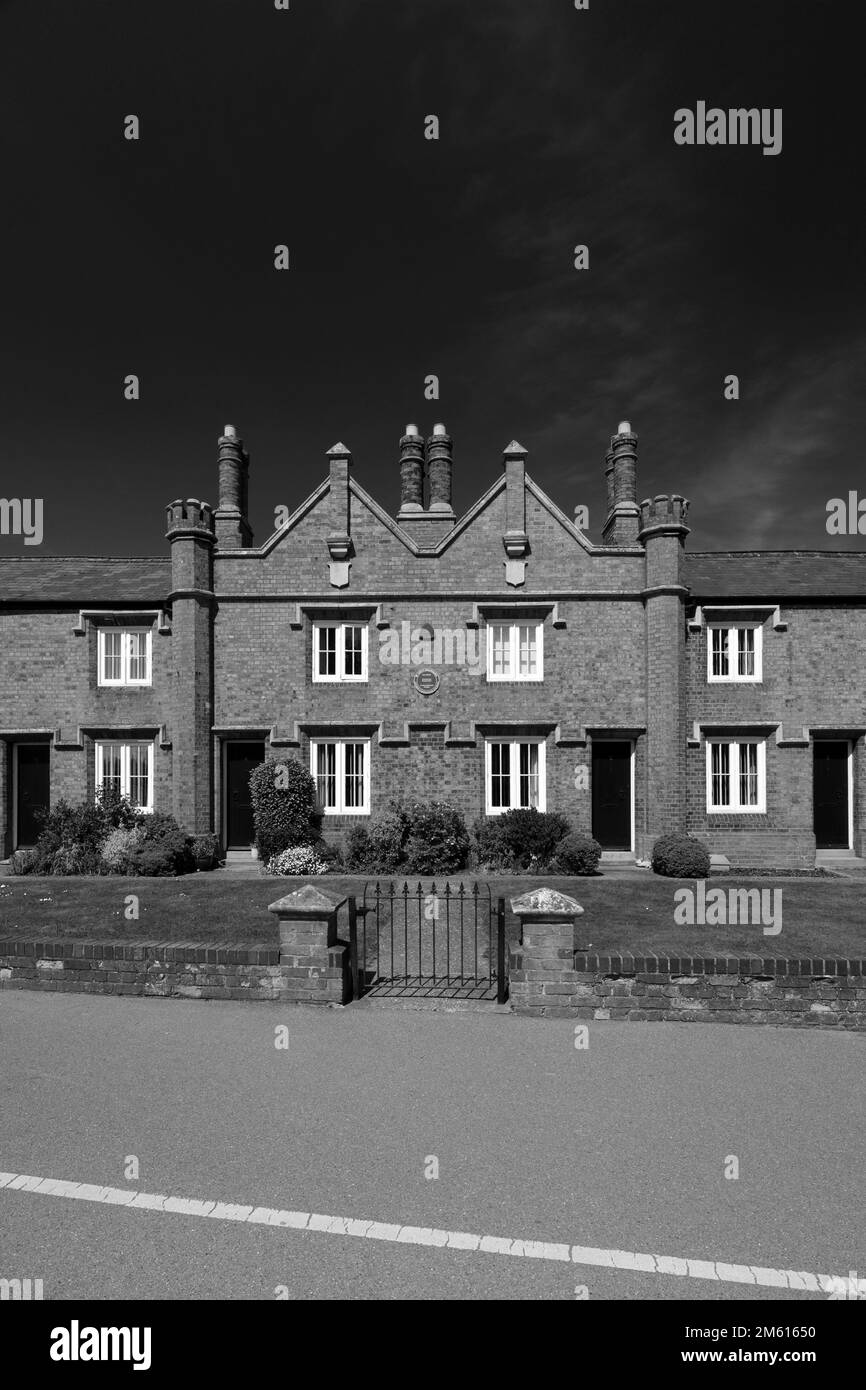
(428, 942)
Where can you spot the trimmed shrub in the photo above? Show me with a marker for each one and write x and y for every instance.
(680, 856)
(490, 850)
(163, 850)
(357, 850)
(285, 808)
(519, 840)
(577, 854)
(420, 837)
(117, 847)
(438, 841)
(302, 859)
(534, 835)
(386, 839)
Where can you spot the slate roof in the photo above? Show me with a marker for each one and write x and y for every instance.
(83, 580)
(722, 574)
(776, 574)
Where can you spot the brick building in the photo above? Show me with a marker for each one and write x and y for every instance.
(496, 659)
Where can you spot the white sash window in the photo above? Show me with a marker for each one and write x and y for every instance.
(736, 775)
(734, 653)
(339, 652)
(125, 656)
(515, 651)
(514, 775)
(127, 768)
(342, 773)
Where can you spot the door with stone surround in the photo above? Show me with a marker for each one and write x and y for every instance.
(241, 756)
(612, 793)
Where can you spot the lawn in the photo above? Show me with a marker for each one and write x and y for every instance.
(820, 917)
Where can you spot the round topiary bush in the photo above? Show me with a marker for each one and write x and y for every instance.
(680, 856)
(578, 854)
(284, 807)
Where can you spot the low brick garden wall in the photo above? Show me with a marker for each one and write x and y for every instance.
(191, 972)
(825, 993)
(804, 993)
(194, 972)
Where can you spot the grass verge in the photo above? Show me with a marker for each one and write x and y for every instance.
(820, 917)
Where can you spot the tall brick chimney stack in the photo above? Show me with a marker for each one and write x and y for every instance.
(439, 467)
(623, 516)
(425, 523)
(233, 531)
(411, 472)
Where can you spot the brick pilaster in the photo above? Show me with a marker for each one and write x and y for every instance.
(663, 532)
(191, 535)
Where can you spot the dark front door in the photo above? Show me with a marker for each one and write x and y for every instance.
(830, 794)
(611, 794)
(241, 758)
(33, 783)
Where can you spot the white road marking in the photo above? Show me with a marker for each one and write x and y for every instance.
(721, 1272)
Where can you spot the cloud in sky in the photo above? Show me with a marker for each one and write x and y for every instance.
(411, 257)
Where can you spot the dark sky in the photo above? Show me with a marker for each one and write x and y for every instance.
(411, 257)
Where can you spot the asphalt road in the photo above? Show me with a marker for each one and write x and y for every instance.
(620, 1146)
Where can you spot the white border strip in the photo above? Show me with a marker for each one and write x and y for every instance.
(758, 1275)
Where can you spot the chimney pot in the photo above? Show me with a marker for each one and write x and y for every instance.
(622, 522)
(233, 529)
(439, 467)
(411, 471)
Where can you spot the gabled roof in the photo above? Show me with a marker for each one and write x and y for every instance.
(412, 545)
(82, 579)
(776, 574)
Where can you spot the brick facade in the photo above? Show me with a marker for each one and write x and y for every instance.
(625, 630)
